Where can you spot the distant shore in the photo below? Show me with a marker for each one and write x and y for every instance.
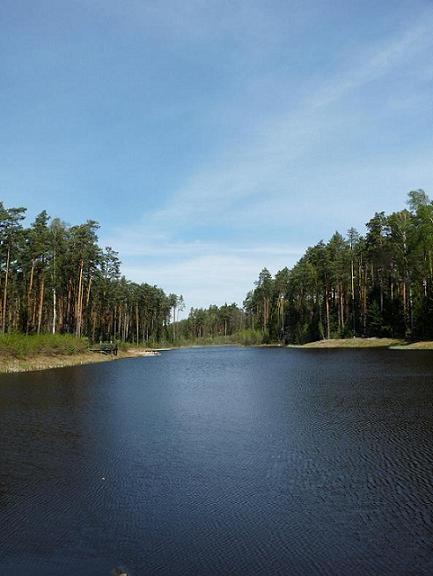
(389, 343)
(9, 365)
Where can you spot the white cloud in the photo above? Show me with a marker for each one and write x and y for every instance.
(212, 278)
(258, 184)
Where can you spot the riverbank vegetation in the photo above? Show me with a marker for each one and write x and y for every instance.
(244, 337)
(375, 285)
(24, 352)
(21, 352)
(25, 346)
(56, 279)
(355, 288)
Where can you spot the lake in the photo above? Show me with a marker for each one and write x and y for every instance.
(220, 461)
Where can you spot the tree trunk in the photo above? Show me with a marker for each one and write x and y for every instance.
(54, 310)
(5, 291)
(79, 303)
(41, 302)
(29, 297)
(352, 291)
(328, 327)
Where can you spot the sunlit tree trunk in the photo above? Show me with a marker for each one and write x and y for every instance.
(29, 297)
(41, 302)
(5, 290)
(79, 301)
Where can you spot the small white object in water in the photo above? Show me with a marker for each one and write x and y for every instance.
(103, 478)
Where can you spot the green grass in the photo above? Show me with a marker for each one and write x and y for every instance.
(25, 346)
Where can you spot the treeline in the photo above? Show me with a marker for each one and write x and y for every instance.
(56, 278)
(377, 284)
(212, 322)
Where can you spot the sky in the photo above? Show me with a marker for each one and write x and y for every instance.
(213, 138)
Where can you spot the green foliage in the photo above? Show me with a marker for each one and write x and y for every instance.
(24, 346)
(216, 324)
(249, 337)
(55, 278)
(246, 337)
(380, 285)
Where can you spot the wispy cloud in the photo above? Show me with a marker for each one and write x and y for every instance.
(266, 164)
(378, 61)
(209, 278)
(258, 185)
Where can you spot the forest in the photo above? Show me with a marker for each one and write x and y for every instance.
(55, 278)
(379, 284)
(373, 285)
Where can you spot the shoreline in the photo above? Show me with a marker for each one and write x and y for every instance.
(364, 343)
(12, 365)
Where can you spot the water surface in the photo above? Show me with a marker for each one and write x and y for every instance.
(220, 461)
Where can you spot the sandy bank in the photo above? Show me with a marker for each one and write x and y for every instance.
(391, 343)
(9, 364)
(413, 346)
(353, 343)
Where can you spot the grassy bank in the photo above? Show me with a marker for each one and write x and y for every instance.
(353, 343)
(391, 343)
(28, 346)
(23, 353)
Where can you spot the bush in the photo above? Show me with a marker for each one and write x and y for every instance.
(249, 337)
(25, 345)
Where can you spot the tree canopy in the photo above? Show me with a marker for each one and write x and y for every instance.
(379, 284)
(56, 278)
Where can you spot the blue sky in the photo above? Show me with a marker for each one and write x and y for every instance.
(213, 138)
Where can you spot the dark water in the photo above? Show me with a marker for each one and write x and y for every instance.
(220, 461)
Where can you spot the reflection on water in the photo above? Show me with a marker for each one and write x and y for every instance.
(220, 461)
